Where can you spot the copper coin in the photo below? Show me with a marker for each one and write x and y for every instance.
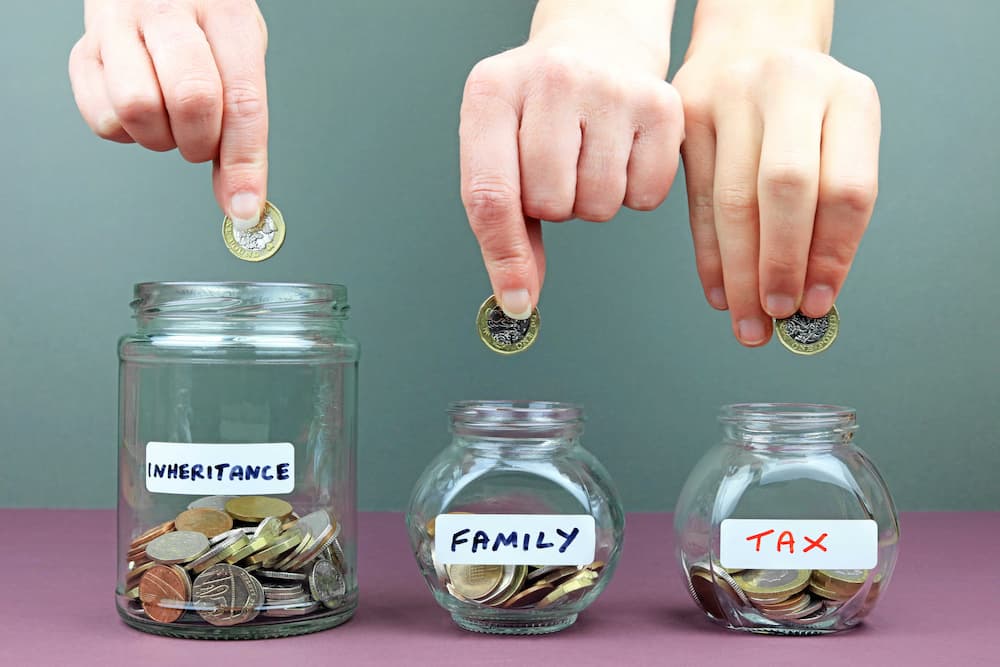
(164, 591)
(227, 595)
(151, 535)
(529, 596)
(204, 520)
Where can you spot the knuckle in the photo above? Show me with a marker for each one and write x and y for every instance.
(736, 203)
(108, 127)
(830, 257)
(857, 196)
(780, 264)
(136, 107)
(786, 178)
(489, 202)
(486, 79)
(243, 101)
(553, 209)
(160, 7)
(557, 71)
(196, 98)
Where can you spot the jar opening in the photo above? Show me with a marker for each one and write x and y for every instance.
(507, 419)
(238, 300)
(790, 423)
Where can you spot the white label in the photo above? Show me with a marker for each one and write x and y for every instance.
(515, 539)
(208, 469)
(786, 544)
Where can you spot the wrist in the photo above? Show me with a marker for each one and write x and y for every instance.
(739, 26)
(633, 33)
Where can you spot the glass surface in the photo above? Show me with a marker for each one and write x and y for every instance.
(218, 364)
(784, 462)
(526, 459)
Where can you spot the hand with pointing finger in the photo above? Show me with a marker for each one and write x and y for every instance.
(574, 124)
(185, 74)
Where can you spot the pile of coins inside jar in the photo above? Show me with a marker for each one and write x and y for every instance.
(228, 559)
(794, 597)
(519, 586)
(511, 586)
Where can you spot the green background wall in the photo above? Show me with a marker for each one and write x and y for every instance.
(364, 107)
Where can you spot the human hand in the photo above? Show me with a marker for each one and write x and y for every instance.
(187, 74)
(781, 160)
(568, 125)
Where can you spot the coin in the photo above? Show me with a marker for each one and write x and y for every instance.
(178, 547)
(227, 595)
(270, 526)
(219, 553)
(323, 529)
(287, 540)
(259, 242)
(282, 562)
(771, 584)
(288, 576)
(513, 579)
(714, 589)
(164, 591)
(808, 335)
(326, 583)
(257, 508)
(475, 581)
(209, 522)
(299, 609)
(503, 334)
(151, 534)
(529, 596)
(577, 583)
(135, 574)
(210, 502)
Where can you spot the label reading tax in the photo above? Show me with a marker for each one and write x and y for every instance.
(515, 539)
(220, 469)
(798, 544)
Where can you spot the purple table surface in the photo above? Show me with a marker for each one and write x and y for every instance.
(940, 608)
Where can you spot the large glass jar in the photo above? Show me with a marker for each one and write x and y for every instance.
(786, 527)
(515, 526)
(237, 479)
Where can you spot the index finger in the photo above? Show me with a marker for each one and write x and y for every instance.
(236, 34)
(491, 191)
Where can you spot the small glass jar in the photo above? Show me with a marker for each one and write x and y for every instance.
(515, 526)
(786, 527)
(237, 481)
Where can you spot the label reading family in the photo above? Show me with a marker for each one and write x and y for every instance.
(220, 469)
(800, 544)
(514, 539)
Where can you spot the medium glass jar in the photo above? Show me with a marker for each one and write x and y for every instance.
(237, 479)
(515, 526)
(786, 527)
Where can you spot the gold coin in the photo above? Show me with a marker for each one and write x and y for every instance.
(503, 334)
(772, 585)
(808, 335)
(514, 576)
(259, 242)
(475, 581)
(288, 540)
(206, 521)
(255, 509)
(848, 577)
(577, 583)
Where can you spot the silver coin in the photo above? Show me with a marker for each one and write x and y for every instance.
(222, 537)
(258, 237)
(269, 527)
(210, 502)
(326, 583)
(806, 330)
(285, 576)
(179, 546)
(297, 609)
(505, 330)
(227, 595)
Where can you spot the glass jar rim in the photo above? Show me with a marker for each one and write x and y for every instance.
(792, 416)
(237, 298)
(515, 414)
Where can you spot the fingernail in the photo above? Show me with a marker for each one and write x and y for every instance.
(752, 331)
(516, 304)
(818, 301)
(244, 211)
(717, 298)
(779, 305)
